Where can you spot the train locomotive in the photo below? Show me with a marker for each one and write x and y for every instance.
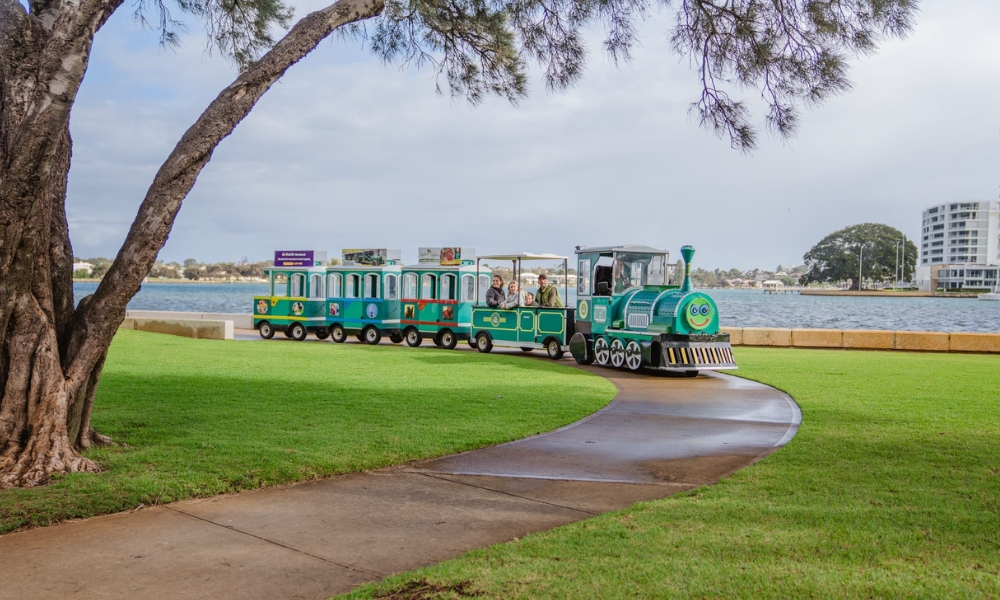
(629, 316)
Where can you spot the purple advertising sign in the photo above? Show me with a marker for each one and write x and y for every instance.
(293, 258)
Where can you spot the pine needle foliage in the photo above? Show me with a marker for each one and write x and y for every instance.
(795, 53)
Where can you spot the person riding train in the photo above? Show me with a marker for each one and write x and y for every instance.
(548, 294)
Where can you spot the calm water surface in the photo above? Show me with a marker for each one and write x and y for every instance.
(739, 308)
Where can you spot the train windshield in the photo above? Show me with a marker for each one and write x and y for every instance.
(631, 269)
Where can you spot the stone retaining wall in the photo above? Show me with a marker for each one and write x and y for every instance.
(860, 339)
(192, 328)
(240, 320)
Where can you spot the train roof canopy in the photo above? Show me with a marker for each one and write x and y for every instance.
(524, 256)
(607, 249)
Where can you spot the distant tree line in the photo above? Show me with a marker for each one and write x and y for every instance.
(190, 269)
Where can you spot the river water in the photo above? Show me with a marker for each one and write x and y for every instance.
(738, 308)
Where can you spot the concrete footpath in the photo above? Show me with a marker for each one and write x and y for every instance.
(659, 436)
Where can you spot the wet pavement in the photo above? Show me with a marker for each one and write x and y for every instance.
(659, 436)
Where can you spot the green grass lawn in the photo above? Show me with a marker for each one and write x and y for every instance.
(890, 489)
(199, 418)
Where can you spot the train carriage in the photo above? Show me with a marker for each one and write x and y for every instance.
(363, 296)
(295, 303)
(437, 296)
(525, 327)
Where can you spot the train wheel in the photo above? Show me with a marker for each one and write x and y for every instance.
(395, 337)
(483, 342)
(371, 335)
(602, 354)
(297, 332)
(337, 333)
(287, 332)
(617, 353)
(633, 355)
(413, 337)
(322, 333)
(554, 349)
(265, 330)
(447, 339)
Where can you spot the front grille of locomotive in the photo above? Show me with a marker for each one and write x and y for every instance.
(685, 353)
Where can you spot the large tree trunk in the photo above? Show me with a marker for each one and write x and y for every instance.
(51, 354)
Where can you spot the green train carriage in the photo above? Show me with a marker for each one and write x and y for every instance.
(296, 301)
(525, 327)
(363, 296)
(438, 294)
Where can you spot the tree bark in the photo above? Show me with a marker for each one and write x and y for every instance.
(52, 355)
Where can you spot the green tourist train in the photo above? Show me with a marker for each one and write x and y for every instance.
(627, 314)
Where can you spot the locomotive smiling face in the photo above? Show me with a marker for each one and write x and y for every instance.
(699, 313)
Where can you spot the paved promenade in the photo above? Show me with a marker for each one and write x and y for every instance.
(313, 540)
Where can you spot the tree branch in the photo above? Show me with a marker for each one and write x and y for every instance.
(93, 331)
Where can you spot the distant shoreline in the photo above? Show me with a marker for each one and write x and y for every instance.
(808, 292)
(184, 281)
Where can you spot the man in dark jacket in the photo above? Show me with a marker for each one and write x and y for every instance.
(495, 295)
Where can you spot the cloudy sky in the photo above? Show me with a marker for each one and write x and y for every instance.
(348, 152)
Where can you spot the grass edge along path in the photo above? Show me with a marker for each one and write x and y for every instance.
(198, 418)
(891, 488)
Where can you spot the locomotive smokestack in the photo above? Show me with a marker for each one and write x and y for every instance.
(688, 253)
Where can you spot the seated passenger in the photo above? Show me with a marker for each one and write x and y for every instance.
(494, 295)
(547, 294)
(514, 297)
(529, 299)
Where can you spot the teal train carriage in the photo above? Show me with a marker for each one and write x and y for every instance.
(296, 301)
(525, 327)
(629, 316)
(437, 296)
(363, 296)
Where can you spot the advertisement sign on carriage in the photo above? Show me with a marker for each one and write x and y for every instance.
(298, 258)
(370, 257)
(451, 256)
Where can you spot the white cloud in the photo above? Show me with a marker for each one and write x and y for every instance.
(345, 152)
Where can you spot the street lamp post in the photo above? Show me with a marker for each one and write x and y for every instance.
(861, 260)
(897, 265)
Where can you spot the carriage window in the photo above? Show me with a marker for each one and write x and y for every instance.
(371, 285)
(427, 286)
(279, 286)
(298, 285)
(410, 285)
(484, 285)
(391, 293)
(353, 283)
(583, 277)
(316, 287)
(333, 282)
(447, 287)
(468, 288)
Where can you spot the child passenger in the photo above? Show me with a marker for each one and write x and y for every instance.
(514, 297)
(529, 299)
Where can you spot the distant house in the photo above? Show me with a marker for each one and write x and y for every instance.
(83, 266)
(773, 285)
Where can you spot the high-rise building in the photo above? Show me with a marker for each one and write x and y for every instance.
(959, 246)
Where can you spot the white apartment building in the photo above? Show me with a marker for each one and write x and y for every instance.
(959, 246)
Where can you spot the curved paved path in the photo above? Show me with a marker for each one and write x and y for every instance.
(312, 540)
